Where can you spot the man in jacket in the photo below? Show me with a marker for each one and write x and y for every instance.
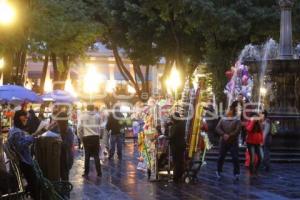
(229, 129)
(89, 132)
(114, 126)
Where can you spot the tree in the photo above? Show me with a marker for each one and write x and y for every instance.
(63, 32)
(147, 31)
(230, 25)
(14, 42)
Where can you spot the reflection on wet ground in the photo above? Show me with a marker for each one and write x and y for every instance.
(121, 181)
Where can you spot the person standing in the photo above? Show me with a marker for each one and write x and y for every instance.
(89, 132)
(254, 143)
(135, 130)
(114, 126)
(67, 154)
(267, 138)
(177, 143)
(20, 142)
(33, 122)
(74, 117)
(241, 103)
(229, 129)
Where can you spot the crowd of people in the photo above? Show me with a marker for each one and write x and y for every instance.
(90, 127)
(251, 129)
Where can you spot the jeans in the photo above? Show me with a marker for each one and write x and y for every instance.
(116, 140)
(91, 149)
(234, 150)
(255, 150)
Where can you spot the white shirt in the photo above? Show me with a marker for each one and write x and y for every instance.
(89, 124)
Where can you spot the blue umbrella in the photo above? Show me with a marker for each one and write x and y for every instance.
(59, 96)
(14, 93)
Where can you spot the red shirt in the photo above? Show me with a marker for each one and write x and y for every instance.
(253, 137)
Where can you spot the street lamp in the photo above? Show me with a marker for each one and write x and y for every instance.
(92, 81)
(131, 89)
(48, 86)
(110, 86)
(173, 82)
(69, 87)
(7, 13)
(263, 91)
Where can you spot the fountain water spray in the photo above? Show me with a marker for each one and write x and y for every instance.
(270, 51)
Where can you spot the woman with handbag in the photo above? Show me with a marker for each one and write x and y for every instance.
(254, 143)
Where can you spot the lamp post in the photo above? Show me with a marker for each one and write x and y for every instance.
(91, 82)
(7, 13)
(173, 82)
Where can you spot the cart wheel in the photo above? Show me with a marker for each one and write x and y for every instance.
(149, 174)
(187, 179)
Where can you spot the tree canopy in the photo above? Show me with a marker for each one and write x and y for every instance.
(190, 32)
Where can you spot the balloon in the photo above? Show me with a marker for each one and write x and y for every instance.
(239, 72)
(245, 80)
(245, 71)
(229, 74)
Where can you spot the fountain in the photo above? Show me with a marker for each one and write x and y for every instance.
(281, 74)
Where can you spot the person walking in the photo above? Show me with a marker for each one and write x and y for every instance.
(67, 153)
(254, 143)
(177, 143)
(241, 103)
(114, 126)
(20, 142)
(229, 129)
(267, 138)
(89, 132)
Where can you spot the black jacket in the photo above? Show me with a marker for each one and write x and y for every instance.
(113, 124)
(177, 137)
(33, 122)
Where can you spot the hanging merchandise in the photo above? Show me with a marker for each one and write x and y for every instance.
(155, 155)
(194, 137)
(239, 82)
(196, 131)
(153, 145)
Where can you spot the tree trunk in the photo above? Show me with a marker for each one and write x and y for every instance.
(146, 87)
(128, 77)
(56, 77)
(44, 73)
(64, 73)
(16, 63)
(22, 67)
(125, 73)
(7, 70)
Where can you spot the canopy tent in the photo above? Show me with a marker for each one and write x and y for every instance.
(17, 94)
(59, 96)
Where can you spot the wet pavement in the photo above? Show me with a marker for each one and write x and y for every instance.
(121, 181)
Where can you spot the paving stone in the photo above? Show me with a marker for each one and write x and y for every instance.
(121, 181)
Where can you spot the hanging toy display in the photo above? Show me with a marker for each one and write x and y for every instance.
(239, 82)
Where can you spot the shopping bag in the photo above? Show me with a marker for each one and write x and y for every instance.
(247, 161)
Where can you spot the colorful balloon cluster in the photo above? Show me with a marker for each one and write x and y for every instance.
(240, 82)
